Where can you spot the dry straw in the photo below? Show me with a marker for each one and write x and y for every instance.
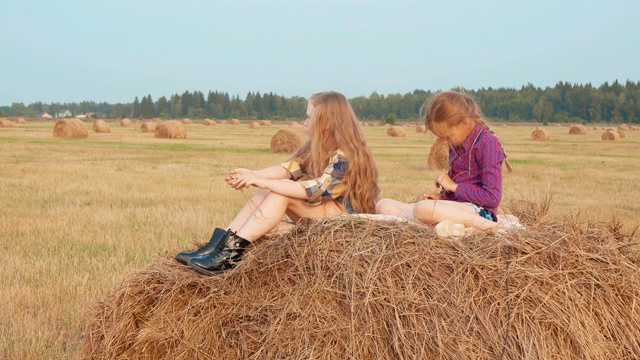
(70, 128)
(101, 126)
(288, 139)
(172, 129)
(578, 130)
(438, 156)
(623, 127)
(187, 121)
(233, 122)
(208, 122)
(21, 121)
(421, 129)
(125, 122)
(254, 125)
(622, 133)
(611, 135)
(354, 288)
(148, 126)
(5, 123)
(540, 134)
(396, 131)
(264, 122)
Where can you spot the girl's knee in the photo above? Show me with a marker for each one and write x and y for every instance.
(384, 206)
(425, 211)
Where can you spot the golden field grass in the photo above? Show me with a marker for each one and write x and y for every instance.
(77, 216)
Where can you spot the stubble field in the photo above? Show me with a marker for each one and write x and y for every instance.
(77, 216)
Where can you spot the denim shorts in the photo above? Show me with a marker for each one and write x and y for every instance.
(482, 211)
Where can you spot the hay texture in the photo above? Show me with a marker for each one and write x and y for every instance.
(187, 121)
(101, 126)
(125, 122)
(148, 126)
(264, 122)
(421, 129)
(6, 123)
(21, 121)
(70, 128)
(233, 122)
(172, 129)
(355, 288)
(287, 140)
(610, 135)
(208, 122)
(540, 134)
(254, 125)
(396, 131)
(578, 130)
(622, 133)
(438, 156)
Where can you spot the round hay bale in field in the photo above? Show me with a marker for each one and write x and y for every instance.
(623, 127)
(438, 156)
(233, 122)
(157, 120)
(611, 135)
(209, 122)
(6, 123)
(148, 126)
(540, 134)
(70, 128)
(101, 126)
(264, 122)
(622, 133)
(375, 123)
(578, 130)
(172, 129)
(358, 288)
(21, 121)
(421, 129)
(363, 124)
(396, 131)
(254, 125)
(287, 140)
(125, 122)
(187, 121)
(634, 128)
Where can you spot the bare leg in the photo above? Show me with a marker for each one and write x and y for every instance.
(248, 209)
(397, 208)
(273, 207)
(434, 211)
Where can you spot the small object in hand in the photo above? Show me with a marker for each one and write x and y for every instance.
(440, 190)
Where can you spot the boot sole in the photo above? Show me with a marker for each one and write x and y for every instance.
(203, 270)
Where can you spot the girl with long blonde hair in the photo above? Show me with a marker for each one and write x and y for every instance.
(332, 173)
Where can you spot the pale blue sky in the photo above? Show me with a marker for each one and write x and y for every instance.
(114, 50)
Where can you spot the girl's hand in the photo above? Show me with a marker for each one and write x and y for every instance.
(445, 181)
(233, 174)
(431, 196)
(240, 181)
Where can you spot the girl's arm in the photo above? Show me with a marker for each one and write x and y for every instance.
(489, 156)
(272, 172)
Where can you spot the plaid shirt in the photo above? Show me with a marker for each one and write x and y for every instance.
(329, 185)
(477, 169)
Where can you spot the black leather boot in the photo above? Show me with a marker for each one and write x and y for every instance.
(218, 239)
(221, 261)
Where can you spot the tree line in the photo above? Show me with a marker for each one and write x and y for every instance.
(565, 102)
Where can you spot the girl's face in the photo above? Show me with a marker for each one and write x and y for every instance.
(309, 122)
(454, 135)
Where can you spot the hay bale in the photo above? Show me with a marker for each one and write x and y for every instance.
(288, 139)
(173, 129)
(421, 129)
(148, 126)
(21, 121)
(578, 130)
(438, 156)
(356, 288)
(125, 122)
(540, 134)
(101, 126)
(70, 128)
(5, 123)
(254, 125)
(187, 121)
(622, 133)
(634, 128)
(233, 122)
(157, 120)
(396, 131)
(611, 135)
(208, 122)
(265, 122)
(623, 127)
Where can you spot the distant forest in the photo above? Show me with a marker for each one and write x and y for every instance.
(563, 103)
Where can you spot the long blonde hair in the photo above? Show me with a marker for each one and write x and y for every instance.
(450, 108)
(337, 127)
